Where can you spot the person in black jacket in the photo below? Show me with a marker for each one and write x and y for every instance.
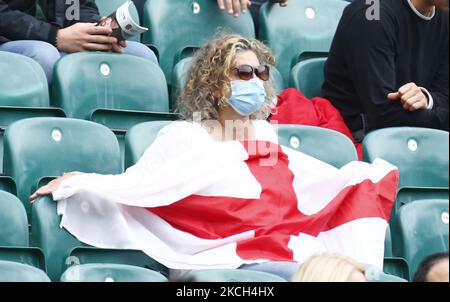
(67, 29)
(388, 65)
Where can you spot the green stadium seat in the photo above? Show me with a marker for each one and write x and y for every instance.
(396, 266)
(13, 221)
(110, 273)
(17, 272)
(180, 74)
(326, 145)
(230, 275)
(51, 146)
(421, 230)
(307, 76)
(115, 90)
(107, 7)
(177, 27)
(63, 250)
(421, 156)
(23, 93)
(14, 233)
(139, 138)
(304, 30)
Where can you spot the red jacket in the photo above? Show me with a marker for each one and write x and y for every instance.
(294, 108)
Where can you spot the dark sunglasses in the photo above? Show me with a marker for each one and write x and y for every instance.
(245, 72)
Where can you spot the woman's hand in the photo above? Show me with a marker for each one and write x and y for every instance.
(52, 186)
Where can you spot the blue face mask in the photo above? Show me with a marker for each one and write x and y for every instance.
(247, 96)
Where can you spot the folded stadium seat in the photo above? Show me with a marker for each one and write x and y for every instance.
(177, 27)
(327, 145)
(17, 272)
(50, 147)
(23, 93)
(110, 273)
(421, 156)
(308, 76)
(107, 7)
(304, 30)
(396, 266)
(422, 230)
(14, 238)
(229, 275)
(180, 74)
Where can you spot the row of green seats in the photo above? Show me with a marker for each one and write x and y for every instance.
(118, 91)
(421, 206)
(304, 30)
(18, 272)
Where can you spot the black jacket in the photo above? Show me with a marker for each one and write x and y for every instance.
(371, 58)
(18, 22)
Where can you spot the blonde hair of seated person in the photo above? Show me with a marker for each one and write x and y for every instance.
(330, 268)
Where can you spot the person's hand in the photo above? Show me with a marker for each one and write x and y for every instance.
(107, 22)
(52, 186)
(411, 96)
(119, 46)
(282, 3)
(85, 36)
(232, 6)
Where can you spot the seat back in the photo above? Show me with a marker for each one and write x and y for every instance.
(307, 76)
(40, 147)
(306, 29)
(110, 273)
(421, 156)
(17, 272)
(25, 84)
(421, 230)
(107, 7)
(86, 82)
(139, 138)
(14, 238)
(396, 266)
(13, 221)
(326, 145)
(177, 27)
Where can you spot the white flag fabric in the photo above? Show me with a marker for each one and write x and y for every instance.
(193, 203)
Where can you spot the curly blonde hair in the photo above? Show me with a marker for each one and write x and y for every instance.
(211, 72)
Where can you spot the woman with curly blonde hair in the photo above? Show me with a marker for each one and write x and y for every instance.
(222, 74)
(216, 190)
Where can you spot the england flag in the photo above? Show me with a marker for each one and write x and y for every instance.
(195, 203)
